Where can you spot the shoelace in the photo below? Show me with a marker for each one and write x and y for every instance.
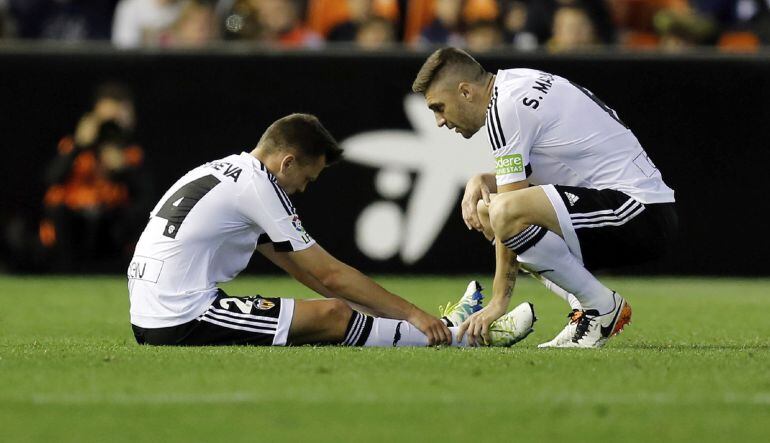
(582, 321)
(448, 309)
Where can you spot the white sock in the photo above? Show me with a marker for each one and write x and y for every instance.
(389, 332)
(546, 253)
(574, 303)
(386, 332)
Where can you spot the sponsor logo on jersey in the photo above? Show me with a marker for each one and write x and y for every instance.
(509, 164)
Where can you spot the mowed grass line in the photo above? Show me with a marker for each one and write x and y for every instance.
(693, 366)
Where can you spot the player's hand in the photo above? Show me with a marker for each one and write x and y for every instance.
(477, 325)
(435, 329)
(476, 189)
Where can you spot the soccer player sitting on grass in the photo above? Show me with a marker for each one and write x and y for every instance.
(208, 224)
(599, 200)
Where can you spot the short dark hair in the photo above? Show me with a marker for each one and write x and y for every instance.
(443, 59)
(303, 132)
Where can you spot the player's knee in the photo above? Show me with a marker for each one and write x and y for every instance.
(505, 216)
(337, 311)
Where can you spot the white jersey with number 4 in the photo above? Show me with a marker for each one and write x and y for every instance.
(547, 130)
(203, 232)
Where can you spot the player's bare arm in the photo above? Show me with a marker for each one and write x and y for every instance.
(343, 281)
(506, 265)
(283, 261)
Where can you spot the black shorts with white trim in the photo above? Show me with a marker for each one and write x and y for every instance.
(616, 230)
(228, 321)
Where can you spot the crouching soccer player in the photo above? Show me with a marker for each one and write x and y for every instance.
(208, 224)
(575, 189)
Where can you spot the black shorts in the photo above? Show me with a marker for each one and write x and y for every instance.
(228, 321)
(607, 228)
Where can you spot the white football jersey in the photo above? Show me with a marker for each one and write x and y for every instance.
(547, 130)
(203, 232)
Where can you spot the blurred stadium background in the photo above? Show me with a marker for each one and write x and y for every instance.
(105, 103)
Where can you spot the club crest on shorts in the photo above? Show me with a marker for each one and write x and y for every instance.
(263, 305)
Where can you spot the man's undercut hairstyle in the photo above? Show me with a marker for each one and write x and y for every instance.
(305, 134)
(447, 61)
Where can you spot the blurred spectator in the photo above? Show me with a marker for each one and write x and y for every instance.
(446, 27)
(723, 12)
(98, 193)
(514, 19)
(195, 28)
(680, 30)
(141, 22)
(240, 19)
(359, 11)
(68, 20)
(376, 33)
(5, 20)
(754, 15)
(281, 25)
(572, 30)
(483, 35)
(541, 15)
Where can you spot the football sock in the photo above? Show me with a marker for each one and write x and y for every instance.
(546, 253)
(358, 330)
(364, 330)
(574, 303)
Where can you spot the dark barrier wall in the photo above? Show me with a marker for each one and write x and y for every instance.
(704, 121)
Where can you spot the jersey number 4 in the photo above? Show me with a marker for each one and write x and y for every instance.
(601, 104)
(181, 202)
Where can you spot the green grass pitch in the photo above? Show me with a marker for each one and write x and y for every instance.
(694, 366)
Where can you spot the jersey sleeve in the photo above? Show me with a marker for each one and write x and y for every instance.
(512, 128)
(265, 204)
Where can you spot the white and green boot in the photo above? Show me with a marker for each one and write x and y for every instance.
(513, 327)
(471, 301)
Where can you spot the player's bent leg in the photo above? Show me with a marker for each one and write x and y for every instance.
(483, 212)
(319, 321)
(512, 212)
(526, 222)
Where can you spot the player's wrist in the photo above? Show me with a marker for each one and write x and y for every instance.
(498, 304)
(415, 315)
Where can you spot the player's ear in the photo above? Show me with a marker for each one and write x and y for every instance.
(465, 91)
(288, 161)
